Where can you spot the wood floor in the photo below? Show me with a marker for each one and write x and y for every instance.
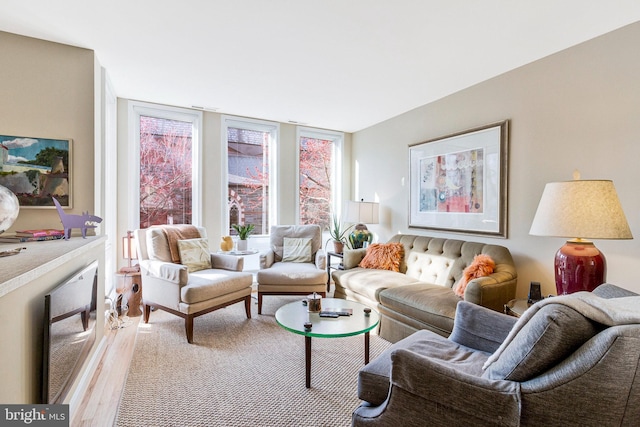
(100, 403)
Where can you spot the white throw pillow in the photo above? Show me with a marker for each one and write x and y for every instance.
(194, 253)
(296, 250)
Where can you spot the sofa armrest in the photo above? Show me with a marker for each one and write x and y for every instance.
(485, 402)
(321, 259)
(352, 257)
(167, 271)
(426, 392)
(227, 262)
(492, 291)
(480, 328)
(267, 258)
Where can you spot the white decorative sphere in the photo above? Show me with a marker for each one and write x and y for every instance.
(9, 208)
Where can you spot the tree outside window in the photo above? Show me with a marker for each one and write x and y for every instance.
(165, 171)
(315, 189)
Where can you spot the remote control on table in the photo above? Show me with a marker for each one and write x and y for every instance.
(334, 313)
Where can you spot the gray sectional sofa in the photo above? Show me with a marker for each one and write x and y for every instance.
(421, 295)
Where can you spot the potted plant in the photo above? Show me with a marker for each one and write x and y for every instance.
(244, 231)
(338, 234)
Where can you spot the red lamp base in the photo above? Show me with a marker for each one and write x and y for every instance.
(579, 266)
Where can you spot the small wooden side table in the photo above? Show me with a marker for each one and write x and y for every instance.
(330, 267)
(129, 288)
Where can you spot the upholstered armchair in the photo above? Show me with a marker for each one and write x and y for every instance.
(180, 275)
(295, 263)
(569, 360)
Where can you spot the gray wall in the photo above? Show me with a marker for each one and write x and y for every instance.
(577, 109)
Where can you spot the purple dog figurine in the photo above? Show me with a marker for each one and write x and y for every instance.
(70, 221)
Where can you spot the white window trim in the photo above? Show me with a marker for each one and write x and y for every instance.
(137, 109)
(337, 138)
(273, 128)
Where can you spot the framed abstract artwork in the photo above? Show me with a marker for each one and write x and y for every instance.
(458, 182)
(36, 170)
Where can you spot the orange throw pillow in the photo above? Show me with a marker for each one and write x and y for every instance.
(383, 256)
(481, 266)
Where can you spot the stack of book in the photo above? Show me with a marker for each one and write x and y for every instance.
(21, 236)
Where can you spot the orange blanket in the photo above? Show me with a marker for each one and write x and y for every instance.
(178, 232)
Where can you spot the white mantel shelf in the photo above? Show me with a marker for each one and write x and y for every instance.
(39, 258)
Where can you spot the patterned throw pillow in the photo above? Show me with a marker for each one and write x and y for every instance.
(194, 253)
(383, 256)
(296, 250)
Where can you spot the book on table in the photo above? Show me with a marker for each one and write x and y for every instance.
(41, 232)
(22, 239)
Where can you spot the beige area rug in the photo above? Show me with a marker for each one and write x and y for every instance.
(240, 372)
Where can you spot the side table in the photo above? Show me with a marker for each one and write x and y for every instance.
(129, 288)
(330, 267)
(516, 307)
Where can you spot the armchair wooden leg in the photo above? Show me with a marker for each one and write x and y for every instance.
(147, 312)
(247, 306)
(188, 324)
(259, 303)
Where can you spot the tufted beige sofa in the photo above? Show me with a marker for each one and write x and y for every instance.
(421, 295)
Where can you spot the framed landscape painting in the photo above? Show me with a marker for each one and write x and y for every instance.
(458, 182)
(36, 169)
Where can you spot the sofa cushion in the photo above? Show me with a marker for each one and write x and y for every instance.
(157, 245)
(292, 273)
(370, 282)
(194, 253)
(279, 232)
(551, 335)
(431, 304)
(383, 256)
(296, 249)
(213, 283)
(373, 379)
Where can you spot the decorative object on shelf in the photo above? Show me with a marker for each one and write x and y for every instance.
(338, 234)
(70, 221)
(38, 168)
(9, 208)
(226, 244)
(10, 252)
(362, 213)
(459, 182)
(580, 209)
(244, 231)
(129, 253)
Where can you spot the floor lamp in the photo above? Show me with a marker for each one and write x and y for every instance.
(580, 209)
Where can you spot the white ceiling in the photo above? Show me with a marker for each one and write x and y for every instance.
(335, 64)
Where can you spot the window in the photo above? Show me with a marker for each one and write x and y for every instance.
(251, 173)
(167, 142)
(319, 166)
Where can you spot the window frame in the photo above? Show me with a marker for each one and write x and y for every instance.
(138, 109)
(273, 129)
(337, 139)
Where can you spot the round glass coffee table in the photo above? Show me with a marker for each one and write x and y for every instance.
(294, 316)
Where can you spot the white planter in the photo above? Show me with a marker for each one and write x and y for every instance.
(242, 245)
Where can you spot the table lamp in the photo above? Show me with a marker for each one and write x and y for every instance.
(580, 209)
(129, 253)
(362, 213)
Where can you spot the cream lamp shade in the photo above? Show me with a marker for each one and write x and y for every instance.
(363, 212)
(580, 209)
